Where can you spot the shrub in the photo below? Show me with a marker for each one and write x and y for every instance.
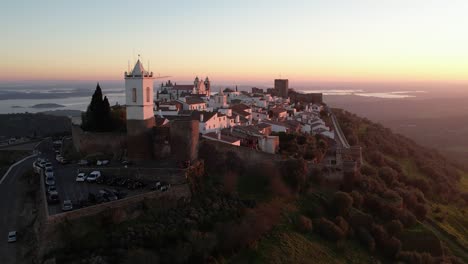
(304, 224)
(329, 230)
(366, 238)
(294, 173)
(420, 211)
(341, 222)
(388, 175)
(357, 199)
(394, 227)
(341, 203)
(391, 247)
(359, 220)
(408, 219)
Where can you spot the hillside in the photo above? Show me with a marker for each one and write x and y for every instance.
(407, 203)
(33, 125)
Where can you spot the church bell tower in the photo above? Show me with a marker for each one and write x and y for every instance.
(139, 99)
(140, 114)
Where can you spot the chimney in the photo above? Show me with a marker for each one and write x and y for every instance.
(201, 117)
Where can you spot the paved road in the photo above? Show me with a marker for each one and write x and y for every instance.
(10, 208)
(23, 146)
(341, 139)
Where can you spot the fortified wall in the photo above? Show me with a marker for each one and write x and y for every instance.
(108, 143)
(246, 154)
(54, 227)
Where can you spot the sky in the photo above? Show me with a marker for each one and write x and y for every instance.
(236, 41)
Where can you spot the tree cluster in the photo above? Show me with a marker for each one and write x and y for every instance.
(100, 117)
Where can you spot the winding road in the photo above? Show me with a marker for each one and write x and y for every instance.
(11, 190)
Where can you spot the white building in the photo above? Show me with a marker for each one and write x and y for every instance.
(139, 97)
(193, 103)
(212, 122)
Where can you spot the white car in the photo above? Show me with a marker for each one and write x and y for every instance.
(93, 176)
(83, 162)
(81, 177)
(102, 162)
(67, 206)
(11, 236)
(50, 181)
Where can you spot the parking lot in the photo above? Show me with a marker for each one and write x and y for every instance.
(79, 192)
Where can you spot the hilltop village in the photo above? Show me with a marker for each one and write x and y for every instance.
(169, 123)
(180, 166)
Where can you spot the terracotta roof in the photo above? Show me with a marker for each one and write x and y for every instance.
(194, 100)
(277, 110)
(272, 122)
(239, 107)
(242, 113)
(263, 125)
(206, 115)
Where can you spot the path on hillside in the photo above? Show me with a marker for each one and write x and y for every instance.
(338, 132)
(456, 248)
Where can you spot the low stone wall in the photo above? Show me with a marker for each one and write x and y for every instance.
(125, 209)
(244, 153)
(110, 143)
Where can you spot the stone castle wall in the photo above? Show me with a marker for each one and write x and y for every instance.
(247, 154)
(120, 210)
(109, 143)
(184, 139)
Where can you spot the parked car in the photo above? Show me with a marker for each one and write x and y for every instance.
(67, 205)
(93, 176)
(165, 188)
(41, 164)
(102, 162)
(11, 236)
(111, 196)
(50, 180)
(126, 163)
(155, 186)
(83, 162)
(118, 193)
(49, 172)
(81, 177)
(53, 197)
(51, 188)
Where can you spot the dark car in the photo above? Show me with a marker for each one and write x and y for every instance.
(108, 195)
(53, 198)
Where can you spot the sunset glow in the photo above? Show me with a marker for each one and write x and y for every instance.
(237, 41)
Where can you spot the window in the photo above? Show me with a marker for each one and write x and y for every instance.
(147, 94)
(134, 95)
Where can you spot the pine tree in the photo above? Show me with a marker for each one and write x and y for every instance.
(98, 114)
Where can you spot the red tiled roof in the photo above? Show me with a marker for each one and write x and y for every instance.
(242, 113)
(277, 110)
(194, 100)
(240, 107)
(206, 115)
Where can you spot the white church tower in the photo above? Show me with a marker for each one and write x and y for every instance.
(139, 100)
